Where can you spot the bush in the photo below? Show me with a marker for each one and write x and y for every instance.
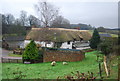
(109, 45)
(31, 52)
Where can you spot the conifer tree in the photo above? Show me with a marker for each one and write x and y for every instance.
(31, 52)
(95, 40)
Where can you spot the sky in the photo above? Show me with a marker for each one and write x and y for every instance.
(94, 12)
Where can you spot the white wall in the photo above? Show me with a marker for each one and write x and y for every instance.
(42, 43)
(65, 45)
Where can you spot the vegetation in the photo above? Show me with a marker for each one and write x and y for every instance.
(101, 29)
(81, 26)
(95, 40)
(106, 45)
(13, 30)
(14, 55)
(109, 47)
(46, 71)
(31, 52)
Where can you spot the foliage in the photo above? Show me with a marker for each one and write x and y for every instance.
(60, 22)
(13, 29)
(23, 17)
(33, 21)
(101, 29)
(31, 52)
(81, 26)
(108, 45)
(95, 40)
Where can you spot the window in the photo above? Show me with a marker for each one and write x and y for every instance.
(68, 42)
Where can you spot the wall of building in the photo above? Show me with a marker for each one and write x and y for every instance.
(63, 55)
(65, 45)
(42, 43)
(15, 44)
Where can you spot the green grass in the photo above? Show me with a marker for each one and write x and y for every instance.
(46, 71)
(14, 55)
(114, 35)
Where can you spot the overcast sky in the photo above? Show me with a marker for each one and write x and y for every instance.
(94, 12)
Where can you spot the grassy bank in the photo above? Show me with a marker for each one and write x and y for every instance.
(46, 71)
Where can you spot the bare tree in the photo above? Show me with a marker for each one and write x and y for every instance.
(33, 21)
(47, 12)
(3, 19)
(18, 22)
(9, 19)
(60, 22)
(23, 17)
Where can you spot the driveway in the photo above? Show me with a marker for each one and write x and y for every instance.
(5, 54)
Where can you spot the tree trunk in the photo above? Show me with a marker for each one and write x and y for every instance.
(105, 65)
(109, 65)
(100, 70)
(119, 68)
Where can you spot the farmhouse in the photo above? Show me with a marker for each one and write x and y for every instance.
(57, 37)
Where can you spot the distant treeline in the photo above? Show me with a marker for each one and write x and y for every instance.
(81, 26)
(14, 29)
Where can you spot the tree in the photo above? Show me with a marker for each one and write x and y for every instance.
(34, 21)
(108, 46)
(8, 19)
(31, 52)
(47, 12)
(18, 22)
(101, 29)
(59, 22)
(23, 17)
(3, 19)
(95, 40)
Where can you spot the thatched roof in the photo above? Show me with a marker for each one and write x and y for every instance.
(57, 34)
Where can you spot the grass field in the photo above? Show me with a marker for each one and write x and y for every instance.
(46, 71)
(14, 55)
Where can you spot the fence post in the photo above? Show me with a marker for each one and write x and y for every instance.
(2, 59)
(8, 60)
(17, 60)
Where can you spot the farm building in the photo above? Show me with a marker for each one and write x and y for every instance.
(13, 41)
(57, 37)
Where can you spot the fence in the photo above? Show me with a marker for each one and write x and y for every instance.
(11, 60)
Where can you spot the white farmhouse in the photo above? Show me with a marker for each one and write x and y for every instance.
(60, 37)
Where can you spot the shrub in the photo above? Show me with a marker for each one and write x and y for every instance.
(31, 52)
(109, 45)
